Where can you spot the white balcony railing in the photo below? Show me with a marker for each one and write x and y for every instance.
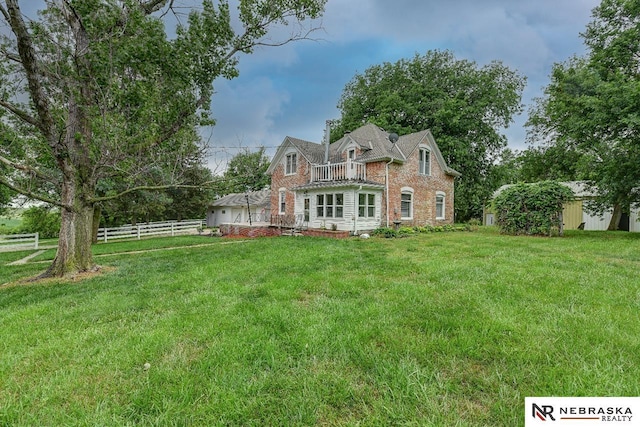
(345, 171)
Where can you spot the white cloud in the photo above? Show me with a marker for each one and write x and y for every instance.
(289, 91)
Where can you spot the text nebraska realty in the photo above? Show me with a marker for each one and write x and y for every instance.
(609, 413)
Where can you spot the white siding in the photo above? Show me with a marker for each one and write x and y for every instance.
(634, 225)
(349, 221)
(594, 222)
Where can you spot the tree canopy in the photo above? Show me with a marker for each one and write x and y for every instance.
(246, 172)
(592, 107)
(464, 105)
(103, 103)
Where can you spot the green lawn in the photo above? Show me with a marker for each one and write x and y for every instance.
(438, 329)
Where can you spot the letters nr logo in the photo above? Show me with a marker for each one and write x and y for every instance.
(543, 412)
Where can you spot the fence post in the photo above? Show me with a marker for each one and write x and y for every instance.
(172, 230)
(105, 234)
(138, 232)
(36, 241)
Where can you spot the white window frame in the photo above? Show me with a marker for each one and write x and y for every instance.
(424, 161)
(282, 201)
(351, 154)
(291, 164)
(368, 208)
(406, 191)
(441, 194)
(323, 208)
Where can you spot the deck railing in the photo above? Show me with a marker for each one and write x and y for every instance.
(344, 171)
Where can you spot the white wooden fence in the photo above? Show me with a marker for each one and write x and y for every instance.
(19, 241)
(149, 229)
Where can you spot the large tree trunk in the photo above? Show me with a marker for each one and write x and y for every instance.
(615, 218)
(76, 232)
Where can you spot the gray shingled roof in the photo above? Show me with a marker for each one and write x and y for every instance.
(256, 198)
(374, 142)
(315, 152)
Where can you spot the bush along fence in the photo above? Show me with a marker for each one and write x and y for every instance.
(149, 229)
(19, 241)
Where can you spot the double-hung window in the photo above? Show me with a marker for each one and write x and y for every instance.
(282, 202)
(330, 205)
(440, 205)
(424, 164)
(366, 205)
(406, 205)
(291, 165)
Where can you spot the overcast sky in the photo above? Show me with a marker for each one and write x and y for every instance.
(292, 90)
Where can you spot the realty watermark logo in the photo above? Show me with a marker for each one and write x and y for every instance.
(582, 411)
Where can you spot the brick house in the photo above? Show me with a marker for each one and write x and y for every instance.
(367, 179)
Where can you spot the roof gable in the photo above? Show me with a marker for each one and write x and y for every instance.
(373, 140)
(309, 150)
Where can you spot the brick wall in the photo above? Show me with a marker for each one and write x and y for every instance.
(406, 175)
(280, 180)
(424, 192)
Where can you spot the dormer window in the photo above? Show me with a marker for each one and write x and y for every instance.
(291, 165)
(424, 162)
(351, 154)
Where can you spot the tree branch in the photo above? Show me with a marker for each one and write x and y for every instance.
(31, 67)
(22, 115)
(32, 195)
(27, 169)
(152, 6)
(148, 188)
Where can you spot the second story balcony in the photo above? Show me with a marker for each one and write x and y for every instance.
(344, 171)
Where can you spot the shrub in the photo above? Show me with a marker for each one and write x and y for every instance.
(386, 232)
(41, 219)
(405, 231)
(531, 209)
(473, 224)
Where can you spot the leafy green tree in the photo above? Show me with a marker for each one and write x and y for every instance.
(43, 220)
(191, 202)
(111, 98)
(5, 198)
(464, 105)
(506, 170)
(246, 172)
(592, 107)
(549, 163)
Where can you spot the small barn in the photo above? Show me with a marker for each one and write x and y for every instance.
(575, 215)
(235, 208)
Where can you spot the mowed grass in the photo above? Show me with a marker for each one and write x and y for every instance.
(439, 329)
